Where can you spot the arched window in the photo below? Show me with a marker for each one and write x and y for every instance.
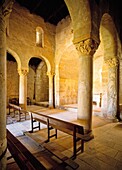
(39, 37)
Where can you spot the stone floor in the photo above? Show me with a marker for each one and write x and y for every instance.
(104, 152)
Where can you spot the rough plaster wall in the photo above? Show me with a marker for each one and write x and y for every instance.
(42, 83)
(97, 76)
(22, 38)
(97, 70)
(12, 80)
(64, 37)
(104, 87)
(67, 58)
(68, 79)
(30, 83)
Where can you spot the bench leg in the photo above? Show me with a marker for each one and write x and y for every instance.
(75, 140)
(9, 110)
(31, 123)
(74, 144)
(49, 128)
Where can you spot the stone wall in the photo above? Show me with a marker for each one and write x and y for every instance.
(22, 37)
(12, 80)
(66, 59)
(30, 83)
(41, 83)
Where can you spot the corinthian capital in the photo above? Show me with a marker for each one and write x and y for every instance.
(6, 7)
(87, 47)
(50, 74)
(112, 62)
(23, 71)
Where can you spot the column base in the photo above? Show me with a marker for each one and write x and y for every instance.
(113, 119)
(88, 135)
(23, 106)
(51, 107)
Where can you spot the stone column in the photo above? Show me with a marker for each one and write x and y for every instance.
(112, 91)
(86, 50)
(5, 10)
(23, 88)
(51, 89)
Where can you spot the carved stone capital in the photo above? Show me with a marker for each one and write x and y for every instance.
(112, 62)
(6, 8)
(87, 47)
(23, 71)
(50, 74)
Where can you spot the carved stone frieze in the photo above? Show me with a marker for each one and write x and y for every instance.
(87, 47)
(112, 62)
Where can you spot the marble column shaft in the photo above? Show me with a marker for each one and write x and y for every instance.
(23, 88)
(51, 85)
(3, 142)
(86, 50)
(112, 88)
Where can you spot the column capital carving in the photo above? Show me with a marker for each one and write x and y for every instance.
(23, 71)
(6, 8)
(50, 74)
(112, 62)
(87, 47)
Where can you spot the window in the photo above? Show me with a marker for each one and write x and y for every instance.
(39, 37)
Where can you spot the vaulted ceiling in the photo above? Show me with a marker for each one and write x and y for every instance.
(51, 10)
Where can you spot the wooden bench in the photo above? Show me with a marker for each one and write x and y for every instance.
(77, 131)
(65, 161)
(19, 110)
(22, 155)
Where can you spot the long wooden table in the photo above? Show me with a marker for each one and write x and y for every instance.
(52, 122)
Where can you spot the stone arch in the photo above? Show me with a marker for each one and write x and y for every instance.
(15, 55)
(12, 73)
(66, 79)
(110, 67)
(108, 36)
(49, 69)
(42, 71)
(81, 16)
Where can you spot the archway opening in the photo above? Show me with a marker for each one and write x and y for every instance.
(38, 82)
(12, 80)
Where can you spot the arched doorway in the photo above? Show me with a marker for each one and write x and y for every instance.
(38, 82)
(12, 80)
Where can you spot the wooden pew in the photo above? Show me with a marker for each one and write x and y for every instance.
(23, 157)
(77, 131)
(19, 110)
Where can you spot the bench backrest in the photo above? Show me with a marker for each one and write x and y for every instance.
(21, 154)
(14, 106)
(65, 126)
